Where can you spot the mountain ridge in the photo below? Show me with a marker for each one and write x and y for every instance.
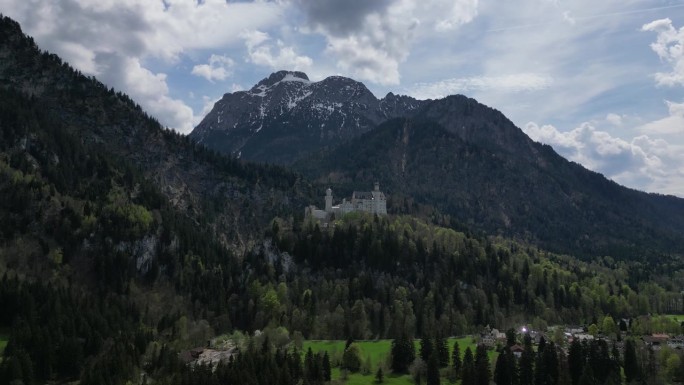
(537, 196)
(286, 115)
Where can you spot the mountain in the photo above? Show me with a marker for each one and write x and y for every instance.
(477, 169)
(459, 158)
(232, 198)
(286, 116)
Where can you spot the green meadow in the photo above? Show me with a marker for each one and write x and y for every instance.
(377, 352)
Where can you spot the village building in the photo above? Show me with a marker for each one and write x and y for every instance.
(373, 202)
(676, 342)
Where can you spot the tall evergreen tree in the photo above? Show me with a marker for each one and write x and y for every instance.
(576, 361)
(426, 348)
(483, 372)
(456, 361)
(327, 372)
(433, 370)
(550, 363)
(468, 370)
(442, 350)
(502, 374)
(631, 363)
(526, 371)
(403, 354)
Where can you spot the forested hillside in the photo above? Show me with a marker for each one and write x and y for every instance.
(506, 185)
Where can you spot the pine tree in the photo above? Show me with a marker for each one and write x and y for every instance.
(483, 371)
(326, 368)
(403, 354)
(426, 349)
(527, 366)
(468, 369)
(576, 361)
(550, 362)
(502, 374)
(456, 362)
(433, 370)
(379, 376)
(631, 363)
(443, 351)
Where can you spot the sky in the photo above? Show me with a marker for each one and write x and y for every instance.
(600, 81)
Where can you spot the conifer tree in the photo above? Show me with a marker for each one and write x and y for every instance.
(426, 348)
(456, 362)
(433, 370)
(443, 351)
(403, 354)
(326, 368)
(527, 364)
(483, 372)
(502, 374)
(631, 363)
(468, 369)
(576, 361)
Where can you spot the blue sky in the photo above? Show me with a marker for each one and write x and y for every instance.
(601, 81)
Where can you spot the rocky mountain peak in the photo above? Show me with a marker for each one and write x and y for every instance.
(280, 76)
(286, 115)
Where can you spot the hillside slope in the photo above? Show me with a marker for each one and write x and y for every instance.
(234, 198)
(490, 176)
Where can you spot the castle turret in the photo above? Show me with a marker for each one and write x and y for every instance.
(328, 200)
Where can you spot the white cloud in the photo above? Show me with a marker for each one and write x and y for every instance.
(278, 56)
(207, 105)
(614, 119)
(670, 48)
(381, 36)
(219, 68)
(147, 88)
(673, 124)
(88, 33)
(643, 162)
(515, 83)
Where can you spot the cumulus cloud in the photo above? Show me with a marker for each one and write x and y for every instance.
(112, 39)
(670, 48)
(614, 119)
(276, 55)
(673, 124)
(219, 68)
(515, 83)
(147, 88)
(643, 162)
(376, 37)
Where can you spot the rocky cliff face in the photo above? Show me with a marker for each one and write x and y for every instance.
(286, 116)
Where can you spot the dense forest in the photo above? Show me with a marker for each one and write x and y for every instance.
(105, 277)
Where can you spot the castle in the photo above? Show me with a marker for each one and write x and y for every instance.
(373, 202)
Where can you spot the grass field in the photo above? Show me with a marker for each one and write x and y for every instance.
(378, 352)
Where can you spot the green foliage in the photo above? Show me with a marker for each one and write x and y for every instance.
(351, 358)
(403, 354)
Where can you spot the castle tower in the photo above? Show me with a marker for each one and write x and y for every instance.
(328, 200)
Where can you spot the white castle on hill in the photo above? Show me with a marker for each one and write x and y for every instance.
(373, 202)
